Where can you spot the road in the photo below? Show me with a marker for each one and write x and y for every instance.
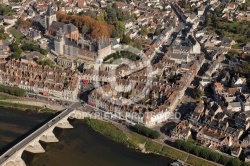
(38, 132)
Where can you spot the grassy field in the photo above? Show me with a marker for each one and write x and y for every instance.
(133, 140)
(24, 107)
(193, 161)
(7, 97)
(18, 35)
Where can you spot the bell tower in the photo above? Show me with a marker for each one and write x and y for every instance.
(50, 16)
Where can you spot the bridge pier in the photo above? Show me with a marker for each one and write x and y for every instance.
(35, 147)
(15, 160)
(49, 136)
(64, 123)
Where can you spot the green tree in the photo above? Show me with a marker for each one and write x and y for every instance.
(101, 17)
(187, 146)
(205, 153)
(197, 151)
(223, 160)
(136, 44)
(234, 162)
(85, 29)
(14, 47)
(245, 164)
(120, 28)
(157, 32)
(214, 156)
(125, 39)
(110, 15)
(146, 131)
(144, 31)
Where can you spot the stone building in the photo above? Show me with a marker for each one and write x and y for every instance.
(50, 17)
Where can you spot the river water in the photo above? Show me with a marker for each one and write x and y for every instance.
(79, 146)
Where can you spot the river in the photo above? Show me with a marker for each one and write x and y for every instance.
(79, 146)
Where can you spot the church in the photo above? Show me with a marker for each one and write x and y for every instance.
(68, 41)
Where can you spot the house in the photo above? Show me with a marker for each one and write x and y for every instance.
(214, 137)
(234, 106)
(236, 150)
(181, 131)
(201, 10)
(60, 84)
(32, 34)
(196, 115)
(4, 50)
(9, 19)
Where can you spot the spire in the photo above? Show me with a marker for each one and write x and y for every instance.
(50, 11)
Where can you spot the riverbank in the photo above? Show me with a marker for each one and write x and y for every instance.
(22, 104)
(143, 144)
(24, 107)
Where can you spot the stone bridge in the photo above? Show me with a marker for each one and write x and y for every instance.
(31, 143)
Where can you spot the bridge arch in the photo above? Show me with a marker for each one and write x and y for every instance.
(10, 163)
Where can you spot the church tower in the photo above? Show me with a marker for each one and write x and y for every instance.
(59, 42)
(50, 16)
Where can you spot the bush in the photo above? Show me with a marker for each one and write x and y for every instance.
(146, 131)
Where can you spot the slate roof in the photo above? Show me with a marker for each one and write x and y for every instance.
(50, 11)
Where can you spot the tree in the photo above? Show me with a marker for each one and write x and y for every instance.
(115, 6)
(110, 15)
(245, 164)
(178, 143)
(125, 39)
(214, 156)
(120, 28)
(187, 146)
(146, 131)
(101, 17)
(197, 151)
(223, 160)
(234, 162)
(157, 32)
(14, 47)
(205, 153)
(144, 31)
(85, 29)
(136, 44)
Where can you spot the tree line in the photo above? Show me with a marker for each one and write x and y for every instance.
(122, 54)
(92, 26)
(208, 154)
(12, 90)
(146, 131)
(17, 49)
